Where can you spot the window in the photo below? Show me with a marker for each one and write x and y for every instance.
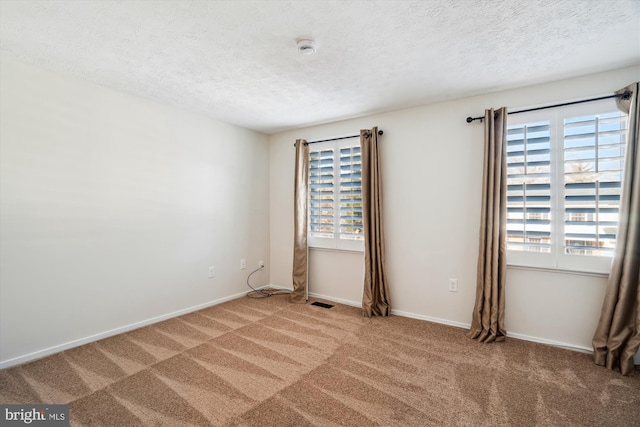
(335, 195)
(564, 172)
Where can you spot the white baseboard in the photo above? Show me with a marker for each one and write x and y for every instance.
(430, 319)
(71, 344)
(564, 345)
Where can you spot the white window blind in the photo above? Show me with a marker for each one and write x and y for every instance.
(335, 195)
(321, 193)
(564, 178)
(593, 162)
(350, 193)
(529, 187)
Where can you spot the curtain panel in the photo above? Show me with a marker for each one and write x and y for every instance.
(617, 337)
(487, 323)
(300, 247)
(375, 298)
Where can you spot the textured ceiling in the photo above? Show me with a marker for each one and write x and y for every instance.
(237, 60)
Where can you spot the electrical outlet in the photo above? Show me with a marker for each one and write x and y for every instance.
(243, 264)
(212, 272)
(453, 285)
(260, 264)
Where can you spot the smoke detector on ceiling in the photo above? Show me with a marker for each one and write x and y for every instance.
(306, 47)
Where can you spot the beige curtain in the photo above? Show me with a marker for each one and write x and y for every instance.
(300, 250)
(617, 337)
(375, 299)
(487, 323)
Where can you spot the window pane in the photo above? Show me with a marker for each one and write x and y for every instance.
(529, 187)
(350, 193)
(321, 193)
(593, 161)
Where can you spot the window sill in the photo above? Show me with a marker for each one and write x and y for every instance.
(557, 270)
(348, 251)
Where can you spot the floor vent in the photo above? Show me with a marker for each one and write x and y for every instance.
(321, 304)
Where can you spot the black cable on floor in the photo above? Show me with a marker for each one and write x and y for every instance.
(263, 293)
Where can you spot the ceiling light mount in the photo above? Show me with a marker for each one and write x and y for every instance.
(306, 47)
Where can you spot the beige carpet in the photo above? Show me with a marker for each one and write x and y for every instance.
(270, 363)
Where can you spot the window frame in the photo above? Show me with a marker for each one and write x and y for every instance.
(335, 242)
(557, 259)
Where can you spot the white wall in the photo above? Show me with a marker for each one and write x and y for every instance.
(432, 173)
(112, 209)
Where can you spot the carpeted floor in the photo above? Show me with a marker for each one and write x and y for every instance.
(270, 363)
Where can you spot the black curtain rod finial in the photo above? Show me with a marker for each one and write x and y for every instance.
(368, 134)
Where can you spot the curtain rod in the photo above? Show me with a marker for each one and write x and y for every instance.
(380, 132)
(624, 95)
